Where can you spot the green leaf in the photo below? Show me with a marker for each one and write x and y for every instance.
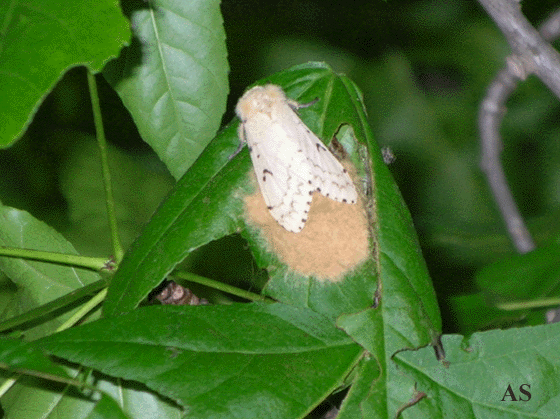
(107, 408)
(367, 371)
(17, 355)
(41, 40)
(515, 281)
(520, 277)
(137, 401)
(249, 360)
(38, 282)
(203, 206)
(34, 398)
(173, 77)
(477, 372)
(487, 316)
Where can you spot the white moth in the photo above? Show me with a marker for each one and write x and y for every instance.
(289, 160)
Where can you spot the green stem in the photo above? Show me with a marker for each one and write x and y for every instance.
(85, 309)
(51, 306)
(230, 289)
(78, 261)
(117, 246)
(33, 373)
(524, 305)
(6, 385)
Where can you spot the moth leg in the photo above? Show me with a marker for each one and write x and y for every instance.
(295, 105)
(242, 141)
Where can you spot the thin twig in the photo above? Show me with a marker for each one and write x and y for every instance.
(531, 55)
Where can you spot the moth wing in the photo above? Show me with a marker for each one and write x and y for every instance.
(329, 176)
(284, 176)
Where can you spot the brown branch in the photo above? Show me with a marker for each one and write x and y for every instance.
(532, 54)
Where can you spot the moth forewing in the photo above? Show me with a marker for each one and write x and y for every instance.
(290, 161)
(330, 177)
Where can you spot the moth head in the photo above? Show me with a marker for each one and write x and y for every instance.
(259, 99)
